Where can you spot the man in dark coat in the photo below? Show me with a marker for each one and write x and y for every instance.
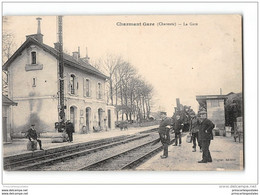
(194, 130)
(70, 130)
(177, 127)
(32, 135)
(164, 133)
(205, 136)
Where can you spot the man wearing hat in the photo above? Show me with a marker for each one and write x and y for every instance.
(177, 126)
(69, 130)
(205, 136)
(32, 135)
(164, 133)
(194, 130)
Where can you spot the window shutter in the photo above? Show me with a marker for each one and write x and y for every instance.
(90, 88)
(84, 87)
(101, 91)
(77, 85)
(96, 90)
(69, 84)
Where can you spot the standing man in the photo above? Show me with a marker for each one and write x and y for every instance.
(205, 136)
(70, 130)
(194, 129)
(164, 133)
(32, 135)
(177, 126)
(186, 119)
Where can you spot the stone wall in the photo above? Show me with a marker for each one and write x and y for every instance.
(216, 112)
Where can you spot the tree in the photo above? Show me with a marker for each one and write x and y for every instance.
(130, 94)
(124, 73)
(233, 108)
(7, 51)
(111, 63)
(97, 63)
(141, 98)
(8, 46)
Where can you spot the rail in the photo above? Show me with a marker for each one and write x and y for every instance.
(31, 163)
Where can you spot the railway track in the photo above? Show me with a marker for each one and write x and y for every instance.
(80, 150)
(128, 159)
(128, 153)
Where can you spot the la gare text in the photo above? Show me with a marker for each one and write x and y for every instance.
(157, 24)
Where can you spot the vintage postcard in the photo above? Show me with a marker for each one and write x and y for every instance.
(123, 93)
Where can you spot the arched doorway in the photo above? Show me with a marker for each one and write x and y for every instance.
(100, 112)
(88, 116)
(109, 118)
(73, 116)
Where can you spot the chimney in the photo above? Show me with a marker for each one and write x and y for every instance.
(86, 52)
(86, 58)
(79, 51)
(38, 36)
(39, 25)
(178, 103)
(75, 55)
(220, 91)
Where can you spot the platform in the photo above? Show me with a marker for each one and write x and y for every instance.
(19, 146)
(227, 155)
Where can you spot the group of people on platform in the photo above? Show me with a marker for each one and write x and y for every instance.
(32, 135)
(200, 129)
(199, 126)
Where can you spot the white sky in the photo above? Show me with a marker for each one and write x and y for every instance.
(179, 61)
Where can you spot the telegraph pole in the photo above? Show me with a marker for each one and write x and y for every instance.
(61, 70)
(178, 104)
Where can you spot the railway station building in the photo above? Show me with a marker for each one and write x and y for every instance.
(215, 107)
(6, 118)
(33, 82)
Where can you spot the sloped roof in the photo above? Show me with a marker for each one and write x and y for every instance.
(206, 97)
(231, 93)
(202, 98)
(7, 102)
(68, 60)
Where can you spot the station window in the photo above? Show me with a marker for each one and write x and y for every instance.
(33, 54)
(34, 82)
(87, 88)
(99, 94)
(72, 84)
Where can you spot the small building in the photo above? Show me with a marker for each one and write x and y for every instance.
(7, 127)
(33, 82)
(215, 107)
